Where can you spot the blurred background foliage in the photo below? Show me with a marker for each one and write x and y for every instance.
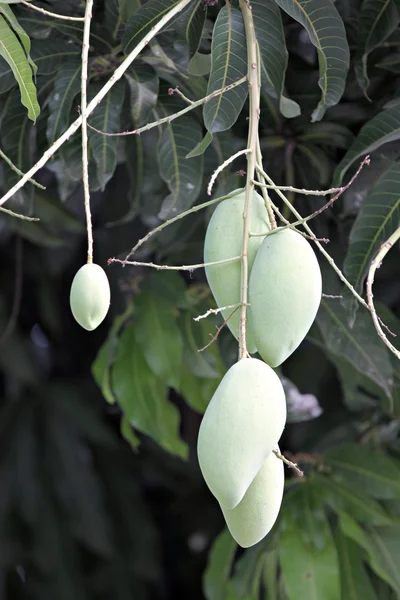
(101, 495)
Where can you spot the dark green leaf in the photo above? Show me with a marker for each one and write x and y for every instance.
(381, 545)
(183, 176)
(200, 64)
(309, 572)
(273, 53)
(142, 21)
(144, 84)
(190, 25)
(66, 88)
(228, 64)
(390, 63)
(248, 571)
(359, 346)
(159, 336)
(377, 20)
(127, 8)
(365, 470)
(326, 30)
(143, 397)
(106, 117)
(327, 134)
(377, 220)
(128, 433)
(12, 51)
(51, 53)
(343, 498)
(219, 566)
(383, 128)
(355, 583)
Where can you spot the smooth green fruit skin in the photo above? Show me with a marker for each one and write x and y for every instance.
(254, 516)
(224, 239)
(90, 296)
(241, 426)
(285, 290)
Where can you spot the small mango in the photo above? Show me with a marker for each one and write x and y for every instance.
(242, 424)
(285, 290)
(224, 239)
(90, 296)
(254, 516)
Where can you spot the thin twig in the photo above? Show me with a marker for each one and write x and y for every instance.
(176, 218)
(14, 168)
(289, 188)
(331, 296)
(215, 311)
(176, 115)
(222, 167)
(17, 215)
(51, 14)
(219, 329)
(176, 90)
(97, 99)
(375, 264)
(289, 463)
(135, 263)
(85, 168)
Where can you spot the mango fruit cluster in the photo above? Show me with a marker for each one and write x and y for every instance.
(245, 419)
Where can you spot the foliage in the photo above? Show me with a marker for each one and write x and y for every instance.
(82, 513)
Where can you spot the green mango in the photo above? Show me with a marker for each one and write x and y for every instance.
(241, 426)
(285, 290)
(224, 239)
(90, 296)
(254, 516)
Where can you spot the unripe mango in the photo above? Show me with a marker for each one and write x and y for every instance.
(224, 239)
(285, 289)
(258, 510)
(90, 296)
(241, 426)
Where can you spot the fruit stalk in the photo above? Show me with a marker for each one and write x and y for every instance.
(254, 114)
(85, 169)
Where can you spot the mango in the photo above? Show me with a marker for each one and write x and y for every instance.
(285, 290)
(254, 516)
(241, 426)
(90, 296)
(224, 239)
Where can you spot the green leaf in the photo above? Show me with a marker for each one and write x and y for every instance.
(200, 64)
(143, 20)
(219, 565)
(159, 337)
(18, 143)
(127, 8)
(248, 571)
(144, 87)
(390, 63)
(273, 53)
(229, 63)
(66, 88)
(343, 498)
(190, 25)
(12, 51)
(359, 347)
(202, 146)
(377, 20)
(325, 28)
(49, 54)
(377, 220)
(102, 365)
(183, 177)
(143, 397)
(327, 134)
(309, 572)
(365, 470)
(355, 582)
(106, 117)
(381, 545)
(21, 33)
(382, 129)
(129, 433)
